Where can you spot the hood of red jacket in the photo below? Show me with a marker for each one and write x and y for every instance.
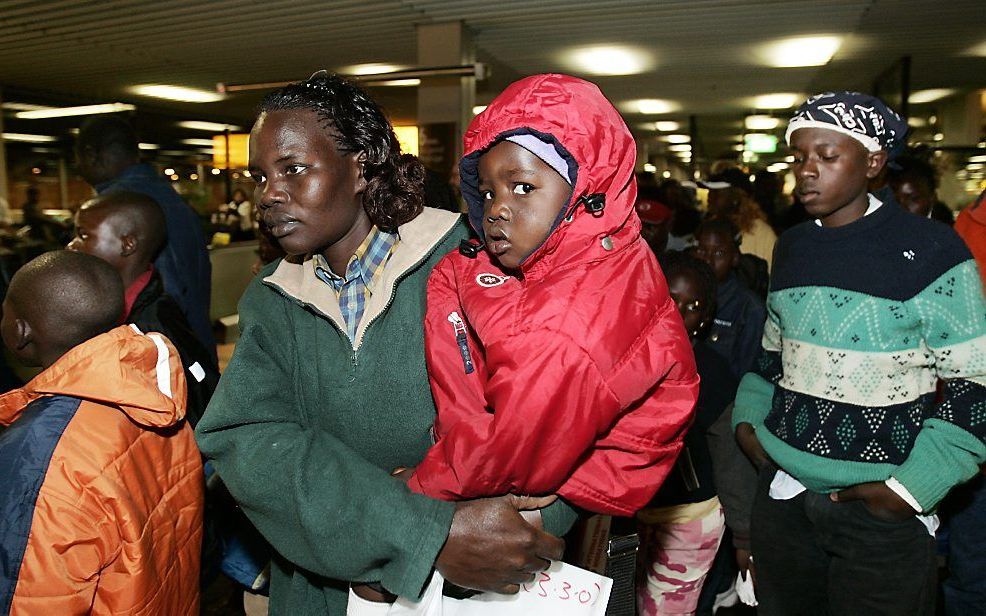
(591, 136)
(139, 374)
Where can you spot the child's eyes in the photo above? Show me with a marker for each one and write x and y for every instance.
(487, 195)
(258, 178)
(294, 169)
(523, 189)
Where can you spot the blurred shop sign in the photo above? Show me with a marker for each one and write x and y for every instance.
(239, 152)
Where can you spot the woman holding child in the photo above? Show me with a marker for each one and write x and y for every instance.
(327, 391)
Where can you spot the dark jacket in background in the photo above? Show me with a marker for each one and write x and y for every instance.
(738, 325)
(184, 262)
(691, 479)
(156, 311)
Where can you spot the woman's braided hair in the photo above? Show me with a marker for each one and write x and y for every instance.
(394, 193)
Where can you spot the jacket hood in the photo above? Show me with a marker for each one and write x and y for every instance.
(591, 136)
(139, 374)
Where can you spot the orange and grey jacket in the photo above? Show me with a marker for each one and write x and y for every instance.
(101, 496)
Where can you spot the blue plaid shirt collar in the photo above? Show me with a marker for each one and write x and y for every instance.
(353, 289)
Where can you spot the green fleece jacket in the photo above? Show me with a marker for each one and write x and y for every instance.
(306, 426)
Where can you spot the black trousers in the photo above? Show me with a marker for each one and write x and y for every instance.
(816, 557)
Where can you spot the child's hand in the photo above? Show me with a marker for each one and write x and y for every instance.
(879, 499)
(747, 439)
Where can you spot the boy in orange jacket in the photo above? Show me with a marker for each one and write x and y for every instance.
(102, 498)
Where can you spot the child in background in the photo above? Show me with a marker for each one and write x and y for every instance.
(558, 361)
(869, 307)
(127, 230)
(738, 325)
(681, 528)
(102, 489)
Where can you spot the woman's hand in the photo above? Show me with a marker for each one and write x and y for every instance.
(747, 439)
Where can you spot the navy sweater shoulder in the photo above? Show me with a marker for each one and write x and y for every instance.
(890, 253)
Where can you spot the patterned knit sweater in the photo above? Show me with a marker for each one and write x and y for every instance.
(862, 321)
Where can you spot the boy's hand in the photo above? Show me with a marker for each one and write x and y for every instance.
(747, 439)
(878, 498)
(491, 548)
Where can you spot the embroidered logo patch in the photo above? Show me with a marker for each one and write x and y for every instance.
(490, 280)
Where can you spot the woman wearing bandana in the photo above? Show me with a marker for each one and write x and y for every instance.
(869, 307)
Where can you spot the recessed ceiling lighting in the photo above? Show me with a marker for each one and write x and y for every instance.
(916, 122)
(650, 168)
(478, 109)
(974, 166)
(206, 143)
(372, 68)
(761, 122)
(209, 126)
(148, 146)
(169, 171)
(775, 167)
(780, 100)
(177, 93)
(939, 137)
(929, 96)
(650, 106)
(739, 147)
(800, 51)
(976, 50)
(760, 143)
(667, 126)
(25, 138)
(676, 138)
(396, 82)
(12, 106)
(680, 147)
(62, 112)
(608, 60)
(978, 159)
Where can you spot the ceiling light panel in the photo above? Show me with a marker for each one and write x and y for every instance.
(799, 51)
(177, 93)
(608, 60)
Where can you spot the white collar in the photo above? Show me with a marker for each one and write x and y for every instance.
(874, 205)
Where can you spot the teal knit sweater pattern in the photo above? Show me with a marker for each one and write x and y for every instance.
(874, 357)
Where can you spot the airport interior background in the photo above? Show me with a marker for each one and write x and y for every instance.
(699, 82)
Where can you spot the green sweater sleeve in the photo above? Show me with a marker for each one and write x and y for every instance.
(950, 446)
(319, 503)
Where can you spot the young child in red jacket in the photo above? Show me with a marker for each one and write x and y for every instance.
(558, 362)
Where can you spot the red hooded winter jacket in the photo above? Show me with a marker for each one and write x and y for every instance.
(584, 380)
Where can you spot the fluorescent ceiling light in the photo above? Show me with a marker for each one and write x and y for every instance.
(780, 100)
(667, 126)
(739, 147)
(978, 159)
(608, 60)
(977, 50)
(148, 146)
(62, 112)
(929, 96)
(761, 122)
(177, 93)
(650, 106)
(29, 138)
(675, 138)
(916, 122)
(396, 82)
(206, 143)
(775, 167)
(680, 147)
(650, 167)
(478, 109)
(372, 68)
(24, 107)
(800, 51)
(209, 126)
(974, 166)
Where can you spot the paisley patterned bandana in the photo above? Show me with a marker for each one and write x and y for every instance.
(865, 118)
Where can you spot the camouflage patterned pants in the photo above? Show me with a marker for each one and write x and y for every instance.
(678, 545)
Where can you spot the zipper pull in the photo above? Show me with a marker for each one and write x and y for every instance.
(461, 339)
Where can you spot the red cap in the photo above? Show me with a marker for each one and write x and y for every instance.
(653, 212)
